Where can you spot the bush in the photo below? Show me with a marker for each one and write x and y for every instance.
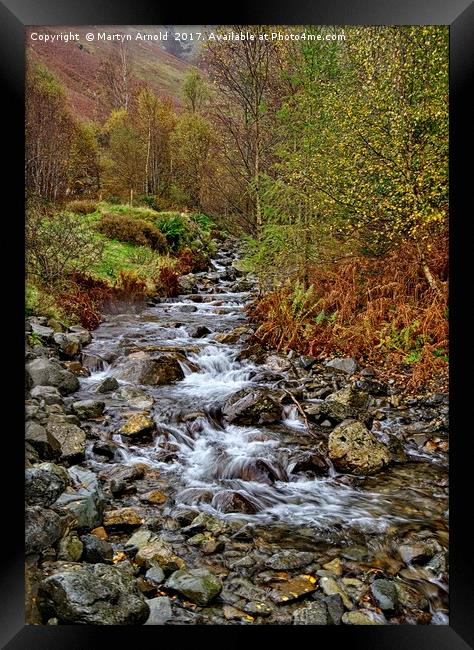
(132, 231)
(58, 245)
(82, 206)
(113, 200)
(191, 261)
(157, 203)
(168, 282)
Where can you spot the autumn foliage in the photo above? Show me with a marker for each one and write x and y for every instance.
(381, 311)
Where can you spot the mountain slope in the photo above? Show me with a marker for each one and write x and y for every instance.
(77, 64)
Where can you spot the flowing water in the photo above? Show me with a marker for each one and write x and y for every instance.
(204, 460)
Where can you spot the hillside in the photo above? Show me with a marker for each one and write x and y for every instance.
(77, 64)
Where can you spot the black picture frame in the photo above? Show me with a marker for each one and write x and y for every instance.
(459, 15)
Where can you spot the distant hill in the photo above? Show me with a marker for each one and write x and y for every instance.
(76, 64)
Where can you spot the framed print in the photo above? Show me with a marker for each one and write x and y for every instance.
(234, 312)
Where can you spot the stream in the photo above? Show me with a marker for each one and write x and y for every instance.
(261, 478)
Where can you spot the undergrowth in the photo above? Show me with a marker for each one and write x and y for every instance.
(381, 312)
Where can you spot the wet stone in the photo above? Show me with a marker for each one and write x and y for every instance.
(289, 559)
(293, 589)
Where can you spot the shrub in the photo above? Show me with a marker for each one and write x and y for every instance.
(157, 203)
(132, 231)
(191, 261)
(168, 282)
(82, 206)
(173, 226)
(113, 199)
(58, 245)
(130, 288)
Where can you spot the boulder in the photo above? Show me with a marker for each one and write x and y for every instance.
(136, 397)
(96, 550)
(288, 560)
(93, 595)
(70, 548)
(69, 345)
(198, 585)
(230, 501)
(107, 385)
(162, 369)
(42, 440)
(353, 448)
(385, 594)
(85, 500)
(121, 517)
(160, 611)
(199, 332)
(43, 528)
(47, 394)
(44, 372)
(71, 438)
(257, 406)
(88, 408)
(122, 476)
(188, 283)
(138, 425)
(315, 613)
(42, 331)
(346, 364)
(84, 336)
(44, 484)
(341, 405)
(159, 553)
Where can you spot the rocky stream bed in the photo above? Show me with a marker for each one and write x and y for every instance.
(177, 473)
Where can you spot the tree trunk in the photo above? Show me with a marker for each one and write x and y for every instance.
(131, 197)
(427, 273)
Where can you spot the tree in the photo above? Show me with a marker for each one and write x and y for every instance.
(191, 143)
(115, 76)
(155, 120)
(50, 129)
(194, 91)
(243, 107)
(126, 154)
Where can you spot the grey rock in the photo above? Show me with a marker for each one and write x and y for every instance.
(44, 483)
(96, 550)
(155, 575)
(86, 501)
(346, 364)
(47, 394)
(255, 406)
(43, 372)
(93, 595)
(198, 585)
(385, 594)
(334, 606)
(353, 448)
(69, 345)
(88, 408)
(85, 337)
(107, 385)
(71, 438)
(162, 369)
(136, 397)
(288, 560)
(257, 608)
(45, 333)
(315, 613)
(43, 528)
(42, 440)
(160, 611)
